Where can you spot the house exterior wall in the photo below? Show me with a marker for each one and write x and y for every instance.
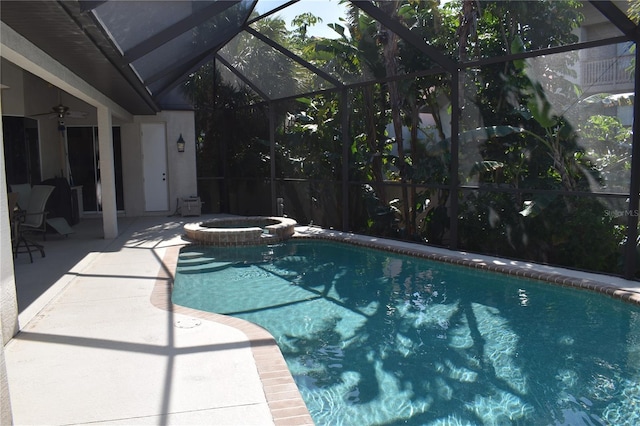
(132, 169)
(183, 181)
(34, 83)
(603, 69)
(181, 166)
(29, 95)
(13, 95)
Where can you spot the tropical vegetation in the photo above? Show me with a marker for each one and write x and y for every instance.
(535, 169)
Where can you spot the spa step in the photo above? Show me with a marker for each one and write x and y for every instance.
(190, 254)
(205, 267)
(195, 260)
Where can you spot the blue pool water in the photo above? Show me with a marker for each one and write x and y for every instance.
(377, 338)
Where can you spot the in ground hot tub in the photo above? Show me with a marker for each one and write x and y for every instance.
(241, 231)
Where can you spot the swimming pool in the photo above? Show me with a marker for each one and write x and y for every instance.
(378, 338)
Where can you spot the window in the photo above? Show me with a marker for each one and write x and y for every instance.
(84, 163)
(21, 150)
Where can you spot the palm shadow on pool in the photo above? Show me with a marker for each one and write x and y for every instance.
(388, 340)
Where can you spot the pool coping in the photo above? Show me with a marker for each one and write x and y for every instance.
(283, 397)
(616, 287)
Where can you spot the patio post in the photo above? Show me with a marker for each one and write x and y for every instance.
(630, 249)
(8, 295)
(344, 115)
(272, 154)
(456, 104)
(107, 179)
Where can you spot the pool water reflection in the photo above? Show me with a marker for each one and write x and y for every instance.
(378, 338)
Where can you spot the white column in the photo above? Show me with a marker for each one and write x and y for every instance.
(107, 174)
(8, 297)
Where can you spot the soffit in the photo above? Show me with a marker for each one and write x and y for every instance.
(80, 47)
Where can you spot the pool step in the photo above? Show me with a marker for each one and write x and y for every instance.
(190, 254)
(195, 260)
(203, 267)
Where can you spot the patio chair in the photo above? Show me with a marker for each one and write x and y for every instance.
(12, 199)
(24, 193)
(34, 219)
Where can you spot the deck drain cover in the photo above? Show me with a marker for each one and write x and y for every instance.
(188, 323)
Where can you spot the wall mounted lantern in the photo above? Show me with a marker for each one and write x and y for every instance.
(181, 144)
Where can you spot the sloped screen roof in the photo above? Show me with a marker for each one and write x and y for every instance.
(164, 41)
(153, 46)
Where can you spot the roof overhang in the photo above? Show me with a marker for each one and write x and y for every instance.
(63, 32)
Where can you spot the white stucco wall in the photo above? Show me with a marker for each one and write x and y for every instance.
(132, 169)
(181, 166)
(13, 96)
(8, 298)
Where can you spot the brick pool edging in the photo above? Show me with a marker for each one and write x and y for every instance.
(554, 275)
(283, 397)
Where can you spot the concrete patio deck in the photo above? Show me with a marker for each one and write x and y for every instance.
(101, 343)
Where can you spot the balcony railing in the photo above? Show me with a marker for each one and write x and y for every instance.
(607, 72)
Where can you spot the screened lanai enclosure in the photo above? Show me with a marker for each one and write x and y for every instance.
(499, 127)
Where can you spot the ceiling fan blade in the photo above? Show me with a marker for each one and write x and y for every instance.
(61, 111)
(77, 114)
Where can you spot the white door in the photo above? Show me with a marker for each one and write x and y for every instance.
(154, 158)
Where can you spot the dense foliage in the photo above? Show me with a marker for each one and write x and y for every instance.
(531, 147)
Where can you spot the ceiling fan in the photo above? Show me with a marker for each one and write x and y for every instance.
(61, 112)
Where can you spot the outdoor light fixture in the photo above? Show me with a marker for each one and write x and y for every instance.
(181, 144)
